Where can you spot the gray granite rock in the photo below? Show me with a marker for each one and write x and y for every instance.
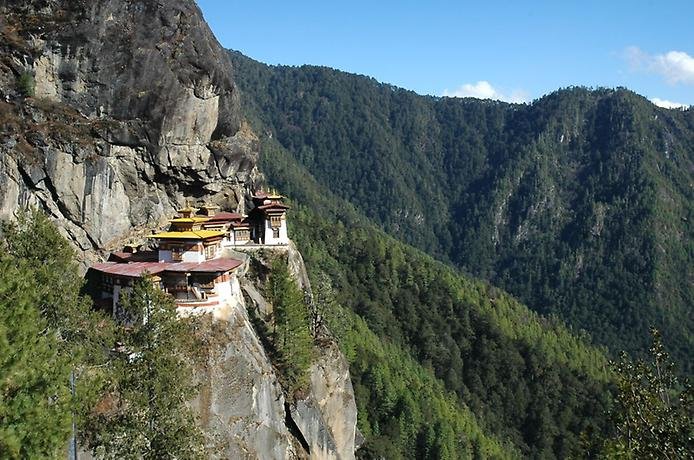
(241, 405)
(135, 110)
(327, 416)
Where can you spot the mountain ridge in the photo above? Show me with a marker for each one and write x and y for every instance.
(444, 365)
(537, 197)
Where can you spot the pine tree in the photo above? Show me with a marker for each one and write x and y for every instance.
(33, 239)
(292, 334)
(144, 413)
(35, 416)
(82, 335)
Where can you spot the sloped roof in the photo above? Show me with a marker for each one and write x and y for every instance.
(139, 256)
(188, 235)
(132, 269)
(224, 217)
(195, 219)
(137, 269)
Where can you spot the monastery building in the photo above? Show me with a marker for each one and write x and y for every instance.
(188, 261)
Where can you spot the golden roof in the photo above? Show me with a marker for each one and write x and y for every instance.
(189, 220)
(189, 235)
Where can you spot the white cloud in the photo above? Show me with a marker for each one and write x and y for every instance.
(668, 104)
(484, 90)
(675, 66)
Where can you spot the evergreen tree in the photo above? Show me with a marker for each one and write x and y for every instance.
(143, 413)
(35, 417)
(82, 335)
(291, 333)
(33, 239)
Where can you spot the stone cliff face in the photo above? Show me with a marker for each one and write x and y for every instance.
(134, 110)
(113, 113)
(324, 416)
(243, 408)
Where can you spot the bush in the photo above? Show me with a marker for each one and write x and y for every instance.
(26, 84)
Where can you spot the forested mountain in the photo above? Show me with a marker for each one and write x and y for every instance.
(527, 381)
(114, 113)
(579, 203)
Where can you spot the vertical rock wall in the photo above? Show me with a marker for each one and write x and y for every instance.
(134, 110)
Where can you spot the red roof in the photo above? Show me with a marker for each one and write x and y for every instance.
(133, 270)
(136, 269)
(225, 216)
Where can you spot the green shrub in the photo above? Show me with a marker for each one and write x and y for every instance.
(26, 84)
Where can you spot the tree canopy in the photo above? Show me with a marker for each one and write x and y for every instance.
(142, 412)
(132, 380)
(35, 401)
(291, 333)
(654, 410)
(578, 204)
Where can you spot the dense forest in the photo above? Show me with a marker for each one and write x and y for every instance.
(579, 204)
(529, 383)
(527, 380)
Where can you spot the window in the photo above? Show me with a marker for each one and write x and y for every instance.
(210, 251)
(242, 235)
(275, 221)
(275, 232)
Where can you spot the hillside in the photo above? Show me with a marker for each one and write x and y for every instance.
(115, 113)
(579, 204)
(525, 378)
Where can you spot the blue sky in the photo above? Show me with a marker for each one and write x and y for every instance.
(509, 50)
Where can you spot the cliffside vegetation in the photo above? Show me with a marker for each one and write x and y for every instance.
(291, 333)
(578, 204)
(142, 411)
(529, 381)
(131, 381)
(33, 424)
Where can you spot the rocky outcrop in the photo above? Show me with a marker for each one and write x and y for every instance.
(113, 113)
(295, 263)
(134, 110)
(327, 416)
(241, 405)
(244, 411)
(324, 414)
